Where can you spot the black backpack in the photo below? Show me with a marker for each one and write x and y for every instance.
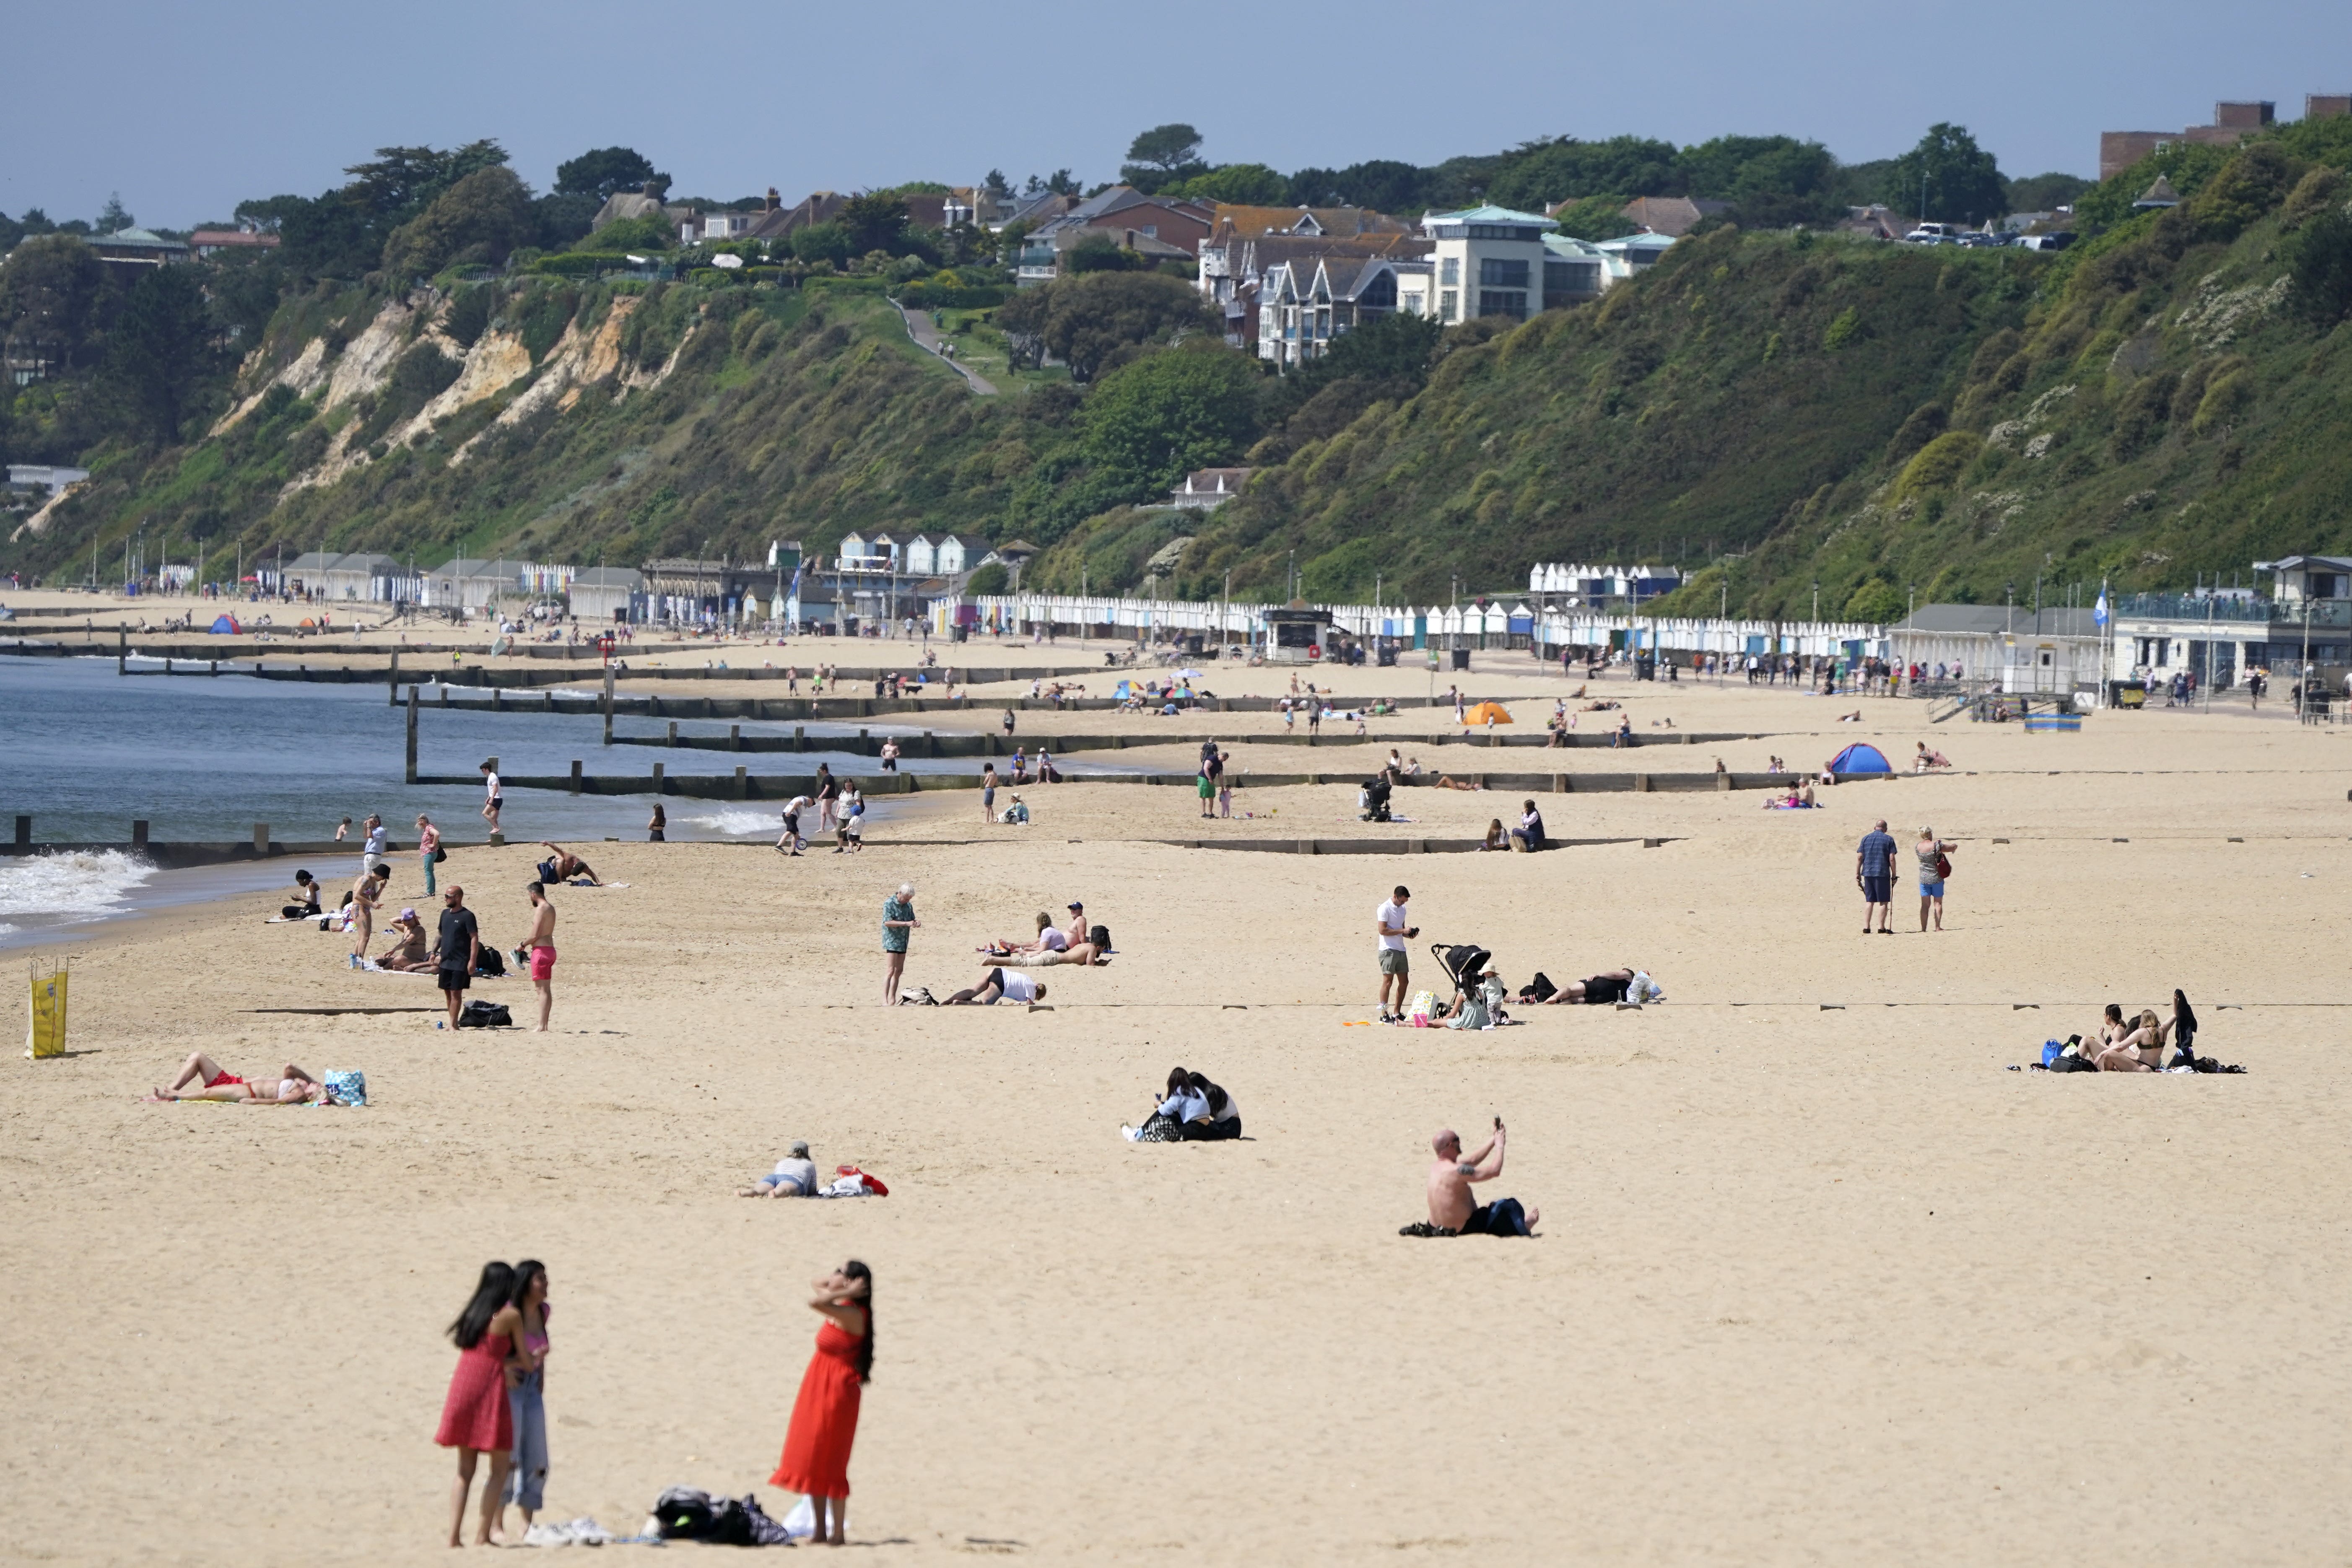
(478, 1015)
(490, 963)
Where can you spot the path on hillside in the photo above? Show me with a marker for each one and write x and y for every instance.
(919, 328)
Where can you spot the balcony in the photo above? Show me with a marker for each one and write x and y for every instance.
(2335, 614)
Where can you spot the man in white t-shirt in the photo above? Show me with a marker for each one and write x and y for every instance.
(999, 984)
(491, 797)
(1395, 966)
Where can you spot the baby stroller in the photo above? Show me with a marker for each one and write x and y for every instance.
(1375, 799)
(1462, 963)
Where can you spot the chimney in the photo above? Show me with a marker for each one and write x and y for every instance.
(653, 189)
(773, 200)
(2326, 105)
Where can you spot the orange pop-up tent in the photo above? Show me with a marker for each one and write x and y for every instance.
(1487, 713)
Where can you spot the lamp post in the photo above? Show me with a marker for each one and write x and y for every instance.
(1817, 601)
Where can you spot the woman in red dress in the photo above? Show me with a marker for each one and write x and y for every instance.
(824, 1417)
(476, 1419)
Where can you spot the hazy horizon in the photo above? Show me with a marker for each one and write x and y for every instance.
(197, 110)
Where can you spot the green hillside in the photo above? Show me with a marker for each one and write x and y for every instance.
(2168, 400)
(1774, 410)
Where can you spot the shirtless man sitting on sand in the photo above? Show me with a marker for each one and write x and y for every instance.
(293, 1086)
(568, 865)
(1450, 1179)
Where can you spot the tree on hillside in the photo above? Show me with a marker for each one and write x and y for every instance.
(1540, 173)
(482, 218)
(875, 220)
(2045, 193)
(1382, 185)
(113, 218)
(1387, 357)
(1741, 168)
(1162, 157)
(606, 171)
(159, 350)
(403, 181)
(996, 188)
(1152, 421)
(342, 233)
(49, 293)
(1095, 322)
(2319, 260)
(1596, 217)
(1242, 185)
(1947, 177)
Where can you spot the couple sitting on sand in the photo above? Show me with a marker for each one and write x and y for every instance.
(1194, 1111)
(1080, 943)
(1451, 1210)
(2121, 1044)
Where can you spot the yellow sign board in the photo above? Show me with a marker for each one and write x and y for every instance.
(47, 1034)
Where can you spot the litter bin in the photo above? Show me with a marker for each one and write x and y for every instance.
(960, 633)
(1388, 659)
(1461, 659)
(2127, 693)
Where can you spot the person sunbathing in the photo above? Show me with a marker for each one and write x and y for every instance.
(1927, 759)
(411, 949)
(1601, 990)
(998, 985)
(1451, 1210)
(306, 895)
(1445, 782)
(293, 1086)
(794, 1177)
(2136, 1044)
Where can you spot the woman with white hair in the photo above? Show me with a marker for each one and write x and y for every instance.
(898, 922)
(1934, 865)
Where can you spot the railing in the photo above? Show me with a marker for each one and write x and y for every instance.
(2335, 614)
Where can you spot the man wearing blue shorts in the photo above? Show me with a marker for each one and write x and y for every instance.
(1874, 872)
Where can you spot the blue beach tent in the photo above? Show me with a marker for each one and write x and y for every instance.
(225, 625)
(1860, 758)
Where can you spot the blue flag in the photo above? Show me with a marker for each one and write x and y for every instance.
(2099, 610)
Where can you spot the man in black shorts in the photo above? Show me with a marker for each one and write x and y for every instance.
(461, 950)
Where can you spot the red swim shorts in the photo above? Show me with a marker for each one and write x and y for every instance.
(225, 1077)
(543, 962)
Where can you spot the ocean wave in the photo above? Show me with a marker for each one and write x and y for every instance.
(93, 883)
(738, 822)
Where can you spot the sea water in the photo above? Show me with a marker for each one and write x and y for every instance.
(85, 752)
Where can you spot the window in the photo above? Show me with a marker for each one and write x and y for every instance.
(1380, 294)
(1449, 270)
(1503, 302)
(1322, 323)
(1567, 277)
(1448, 304)
(1495, 273)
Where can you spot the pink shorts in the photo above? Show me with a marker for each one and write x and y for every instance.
(543, 962)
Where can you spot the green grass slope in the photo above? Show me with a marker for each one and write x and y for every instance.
(1879, 420)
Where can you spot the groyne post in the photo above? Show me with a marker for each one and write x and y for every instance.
(139, 833)
(121, 650)
(392, 695)
(261, 838)
(412, 735)
(24, 833)
(608, 705)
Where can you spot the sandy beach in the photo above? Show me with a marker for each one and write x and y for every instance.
(1818, 1280)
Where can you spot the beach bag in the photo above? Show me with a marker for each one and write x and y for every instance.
(348, 1088)
(440, 854)
(1539, 989)
(851, 1175)
(491, 964)
(486, 1015)
(681, 1513)
(2074, 1064)
(2051, 1051)
(1943, 865)
(1424, 1003)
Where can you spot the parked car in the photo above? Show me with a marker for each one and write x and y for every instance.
(1932, 233)
(2058, 241)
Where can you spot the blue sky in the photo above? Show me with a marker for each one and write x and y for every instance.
(186, 110)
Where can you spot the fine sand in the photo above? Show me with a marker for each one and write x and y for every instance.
(1812, 1285)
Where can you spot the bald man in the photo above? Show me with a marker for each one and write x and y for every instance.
(1450, 1178)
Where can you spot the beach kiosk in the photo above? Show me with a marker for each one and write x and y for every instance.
(1297, 635)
